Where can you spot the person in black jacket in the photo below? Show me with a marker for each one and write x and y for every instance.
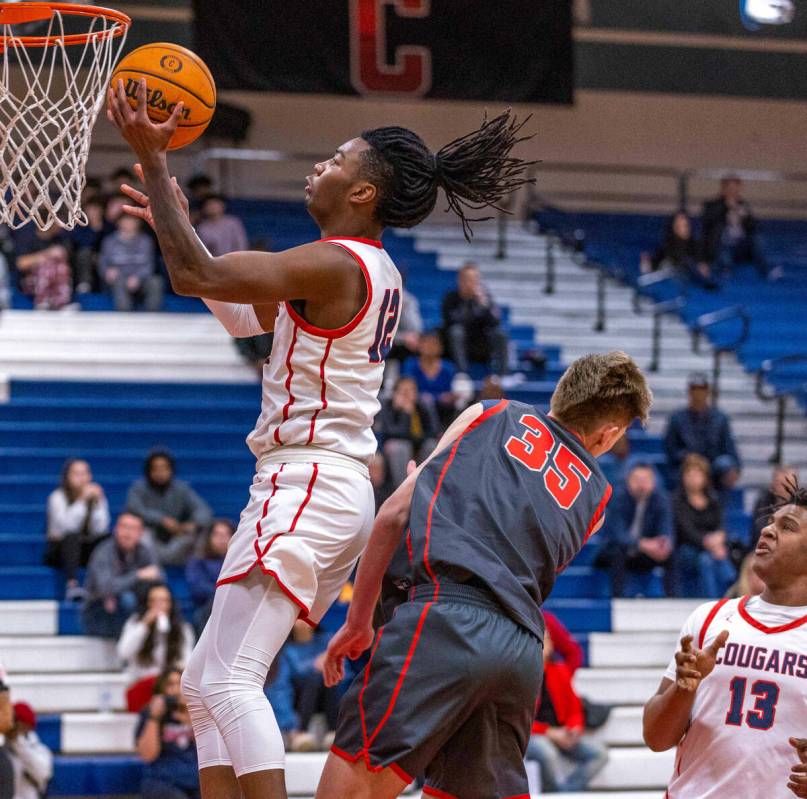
(702, 555)
(681, 251)
(730, 231)
(408, 429)
(471, 324)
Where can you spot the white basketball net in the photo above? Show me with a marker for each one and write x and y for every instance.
(46, 120)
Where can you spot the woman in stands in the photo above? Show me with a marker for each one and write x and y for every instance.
(78, 518)
(202, 572)
(702, 555)
(166, 744)
(154, 639)
(334, 306)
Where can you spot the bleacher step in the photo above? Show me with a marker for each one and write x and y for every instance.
(618, 686)
(59, 693)
(643, 649)
(55, 654)
(39, 617)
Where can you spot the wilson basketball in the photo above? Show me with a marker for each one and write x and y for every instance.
(172, 74)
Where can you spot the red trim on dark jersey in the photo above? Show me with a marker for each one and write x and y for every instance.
(371, 242)
(364, 688)
(429, 791)
(606, 497)
(323, 398)
(290, 371)
(394, 767)
(708, 620)
(782, 628)
(483, 417)
(356, 320)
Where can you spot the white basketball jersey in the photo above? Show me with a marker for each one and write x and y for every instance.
(756, 698)
(320, 387)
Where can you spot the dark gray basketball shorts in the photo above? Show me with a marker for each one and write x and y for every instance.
(449, 692)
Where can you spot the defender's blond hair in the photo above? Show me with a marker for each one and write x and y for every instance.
(601, 388)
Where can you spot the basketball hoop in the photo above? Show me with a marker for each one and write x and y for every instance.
(52, 86)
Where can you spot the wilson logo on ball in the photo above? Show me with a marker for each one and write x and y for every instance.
(171, 63)
(155, 99)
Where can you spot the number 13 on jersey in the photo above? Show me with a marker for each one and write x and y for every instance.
(563, 472)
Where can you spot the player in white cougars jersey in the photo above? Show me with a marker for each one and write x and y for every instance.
(334, 307)
(736, 692)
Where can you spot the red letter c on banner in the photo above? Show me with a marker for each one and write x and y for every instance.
(410, 74)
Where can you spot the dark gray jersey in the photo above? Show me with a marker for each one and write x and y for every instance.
(506, 507)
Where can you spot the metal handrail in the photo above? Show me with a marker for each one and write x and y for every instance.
(658, 308)
(780, 396)
(707, 320)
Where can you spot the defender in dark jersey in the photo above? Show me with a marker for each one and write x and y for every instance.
(507, 500)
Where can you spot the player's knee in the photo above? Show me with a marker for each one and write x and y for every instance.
(231, 694)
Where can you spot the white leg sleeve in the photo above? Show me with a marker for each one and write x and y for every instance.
(250, 622)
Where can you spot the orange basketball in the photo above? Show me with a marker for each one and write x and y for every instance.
(172, 74)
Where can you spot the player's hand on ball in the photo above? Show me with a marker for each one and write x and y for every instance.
(797, 782)
(145, 137)
(349, 642)
(143, 207)
(694, 665)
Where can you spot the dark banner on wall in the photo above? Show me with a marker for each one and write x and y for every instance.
(511, 51)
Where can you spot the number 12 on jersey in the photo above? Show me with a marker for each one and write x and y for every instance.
(385, 329)
(563, 471)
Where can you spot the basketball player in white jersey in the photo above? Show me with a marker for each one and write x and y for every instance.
(334, 306)
(736, 692)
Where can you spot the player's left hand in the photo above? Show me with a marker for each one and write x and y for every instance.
(349, 642)
(145, 137)
(797, 781)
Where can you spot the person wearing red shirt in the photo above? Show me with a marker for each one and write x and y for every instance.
(558, 732)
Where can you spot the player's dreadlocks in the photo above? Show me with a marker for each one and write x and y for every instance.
(475, 171)
(794, 495)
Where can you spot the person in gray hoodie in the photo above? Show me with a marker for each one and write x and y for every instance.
(171, 510)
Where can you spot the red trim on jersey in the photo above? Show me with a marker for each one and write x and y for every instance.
(782, 628)
(409, 544)
(492, 411)
(429, 791)
(606, 497)
(708, 620)
(304, 609)
(323, 398)
(290, 371)
(339, 332)
(364, 688)
(296, 518)
(394, 767)
(397, 690)
(371, 242)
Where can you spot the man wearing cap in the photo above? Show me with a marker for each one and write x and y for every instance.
(705, 430)
(31, 760)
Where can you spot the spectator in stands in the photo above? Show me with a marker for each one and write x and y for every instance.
(202, 572)
(636, 538)
(155, 638)
(680, 251)
(407, 427)
(172, 511)
(705, 430)
(121, 174)
(78, 518)
(219, 231)
(433, 375)
(410, 326)
(5, 283)
(255, 350)
(380, 479)
(748, 583)
(565, 648)
(117, 569)
(199, 187)
(559, 731)
(31, 759)
(702, 560)
(44, 268)
(127, 264)
(166, 744)
(93, 187)
(471, 324)
(6, 725)
(783, 475)
(613, 463)
(730, 232)
(86, 243)
(491, 389)
(300, 676)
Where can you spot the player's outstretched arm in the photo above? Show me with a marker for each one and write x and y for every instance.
(667, 714)
(356, 635)
(315, 271)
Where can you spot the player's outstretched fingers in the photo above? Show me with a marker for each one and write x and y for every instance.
(718, 643)
(133, 194)
(800, 745)
(686, 643)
